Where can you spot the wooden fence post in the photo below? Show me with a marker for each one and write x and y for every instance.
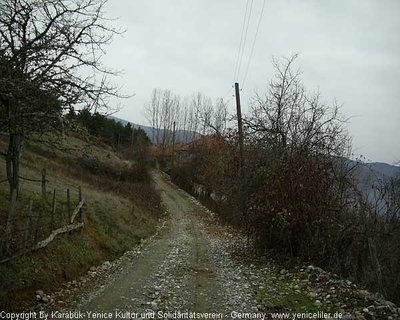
(44, 195)
(28, 222)
(68, 205)
(80, 199)
(53, 211)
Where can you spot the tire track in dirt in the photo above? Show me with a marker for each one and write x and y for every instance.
(204, 285)
(174, 272)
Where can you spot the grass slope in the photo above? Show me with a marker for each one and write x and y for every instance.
(121, 208)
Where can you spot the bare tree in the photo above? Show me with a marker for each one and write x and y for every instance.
(291, 119)
(193, 115)
(152, 112)
(219, 119)
(50, 60)
(294, 180)
(196, 106)
(184, 121)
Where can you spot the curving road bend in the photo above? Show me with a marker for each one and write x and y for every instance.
(186, 268)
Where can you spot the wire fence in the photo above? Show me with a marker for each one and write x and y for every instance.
(36, 222)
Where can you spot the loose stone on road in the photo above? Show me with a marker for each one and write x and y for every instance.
(185, 268)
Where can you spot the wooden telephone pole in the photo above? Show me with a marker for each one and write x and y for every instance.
(240, 125)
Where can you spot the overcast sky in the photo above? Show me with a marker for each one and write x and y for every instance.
(349, 50)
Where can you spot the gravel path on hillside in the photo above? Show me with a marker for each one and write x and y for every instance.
(192, 265)
(184, 268)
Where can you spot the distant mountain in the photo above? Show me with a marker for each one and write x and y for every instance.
(384, 169)
(373, 172)
(180, 135)
(370, 177)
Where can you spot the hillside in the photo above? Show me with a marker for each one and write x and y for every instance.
(181, 135)
(384, 168)
(120, 210)
(378, 170)
(370, 177)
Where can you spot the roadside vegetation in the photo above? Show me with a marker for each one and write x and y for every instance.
(295, 191)
(121, 208)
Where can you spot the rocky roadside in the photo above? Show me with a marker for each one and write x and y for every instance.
(76, 292)
(270, 288)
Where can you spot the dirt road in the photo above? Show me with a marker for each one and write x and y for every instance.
(193, 265)
(184, 269)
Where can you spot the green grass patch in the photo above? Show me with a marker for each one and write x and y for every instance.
(281, 294)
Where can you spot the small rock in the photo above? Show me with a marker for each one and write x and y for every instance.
(106, 265)
(390, 304)
(39, 293)
(303, 285)
(312, 294)
(317, 303)
(363, 294)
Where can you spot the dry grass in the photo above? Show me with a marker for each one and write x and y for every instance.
(118, 213)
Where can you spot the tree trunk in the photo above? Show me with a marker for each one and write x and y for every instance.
(12, 169)
(12, 161)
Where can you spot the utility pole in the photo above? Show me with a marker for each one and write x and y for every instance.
(173, 145)
(240, 125)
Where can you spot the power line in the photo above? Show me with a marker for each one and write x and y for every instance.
(254, 43)
(241, 39)
(226, 93)
(245, 37)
